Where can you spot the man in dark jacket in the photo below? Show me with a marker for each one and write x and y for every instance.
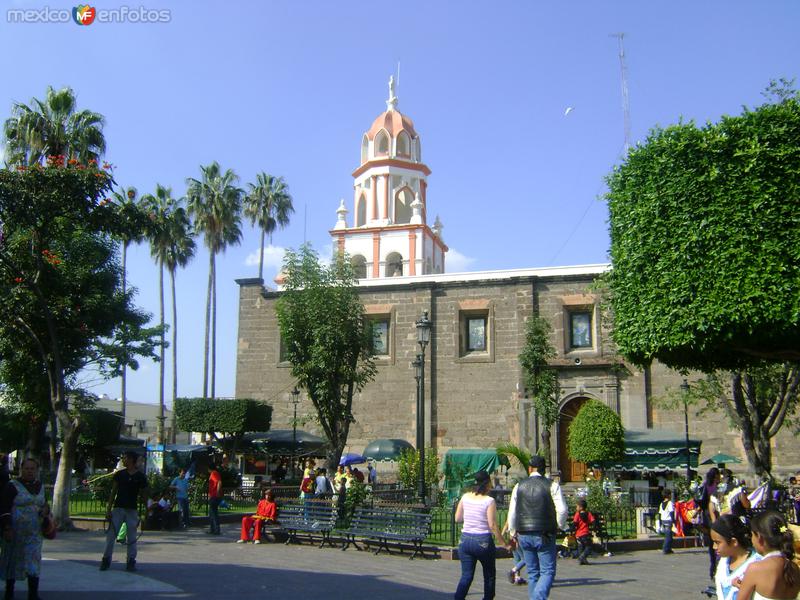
(536, 512)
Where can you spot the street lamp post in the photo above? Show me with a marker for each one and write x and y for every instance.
(685, 396)
(295, 402)
(423, 337)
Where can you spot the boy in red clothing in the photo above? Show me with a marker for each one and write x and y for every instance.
(265, 513)
(583, 520)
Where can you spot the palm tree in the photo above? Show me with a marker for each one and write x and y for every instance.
(159, 207)
(269, 204)
(178, 254)
(53, 126)
(215, 204)
(130, 209)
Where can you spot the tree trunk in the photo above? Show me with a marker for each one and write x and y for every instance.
(214, 330)
(174, 423)
(208, 323)
(547, 449)
(52, 443)
(261, 258)
(124, 377)
(61, 488)
(160, 426)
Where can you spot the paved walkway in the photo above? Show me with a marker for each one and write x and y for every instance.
(193, 564)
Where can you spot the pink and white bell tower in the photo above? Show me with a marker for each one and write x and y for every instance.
(389, 236)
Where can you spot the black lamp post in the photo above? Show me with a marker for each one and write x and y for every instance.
(423, 337)
(295, 402)
(685, 396)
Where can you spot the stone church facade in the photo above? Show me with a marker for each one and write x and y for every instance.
(474, 386)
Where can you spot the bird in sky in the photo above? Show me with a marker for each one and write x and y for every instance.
(569, 110)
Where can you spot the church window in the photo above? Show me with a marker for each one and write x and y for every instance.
(359, 266)
(380, 336)
(403, 145)
(364, 148)
(361, 211)
(382, 143)
(476, 334)
(394, 265)
(402, 205)
(475, 331)
(580, 329)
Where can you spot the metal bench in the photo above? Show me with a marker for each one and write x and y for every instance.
(601, 532)
(382, 526)
(311, 518)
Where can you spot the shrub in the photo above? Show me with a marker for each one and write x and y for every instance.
(596, 435)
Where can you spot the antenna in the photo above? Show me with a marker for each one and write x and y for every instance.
(626, 109)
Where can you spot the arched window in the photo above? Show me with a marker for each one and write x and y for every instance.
(364, 148)
(402, 205)
(382, 143)
(361, 211)
(394, 265)
(403, 145)
(359, 266)
(418, 145)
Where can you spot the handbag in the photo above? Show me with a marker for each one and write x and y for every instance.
(49, 528)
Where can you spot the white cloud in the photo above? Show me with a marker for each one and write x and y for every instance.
(455, 262)
(273, 258)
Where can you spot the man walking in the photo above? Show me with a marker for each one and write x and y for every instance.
(214, 498)
(129, 487)
(535, 514)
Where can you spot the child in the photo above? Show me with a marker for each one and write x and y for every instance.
(732, 543)
(514, 576)
(775, 576)
(583, 520)
(666, 514)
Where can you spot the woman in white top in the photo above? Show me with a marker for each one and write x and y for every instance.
(478, 512)
(775, 576)
(731, 540)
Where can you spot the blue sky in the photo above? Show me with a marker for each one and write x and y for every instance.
(289, 88)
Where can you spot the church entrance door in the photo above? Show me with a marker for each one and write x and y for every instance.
(571, 470)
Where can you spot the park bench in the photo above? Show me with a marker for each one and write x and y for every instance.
(312, 518)
(382, 526)
(601, 532)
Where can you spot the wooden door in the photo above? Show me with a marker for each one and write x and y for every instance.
(571, 470)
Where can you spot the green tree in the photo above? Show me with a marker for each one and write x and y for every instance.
(130, 211)
(326, 338)
(705, 243)
(596, 434)
(269, 204)
(541, 379)
(408, 469)
(231, 417)
(215, 204)
(53, 127)
(60, 288)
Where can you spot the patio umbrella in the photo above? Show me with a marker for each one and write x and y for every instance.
(386, 449)
(351, 458)
(721, 459)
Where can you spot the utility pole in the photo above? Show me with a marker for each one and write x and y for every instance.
(626, 109)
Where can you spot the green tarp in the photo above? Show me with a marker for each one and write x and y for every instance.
(655, 450)
(460, 465)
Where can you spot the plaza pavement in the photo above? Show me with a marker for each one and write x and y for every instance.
(193, 564)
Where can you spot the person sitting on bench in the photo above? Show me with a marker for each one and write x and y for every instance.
(265, 513)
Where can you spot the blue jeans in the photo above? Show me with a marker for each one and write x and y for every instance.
(519, 559)
(183, 503)
(213, 514)
(667, 525)
(473, 548)
(540, 557)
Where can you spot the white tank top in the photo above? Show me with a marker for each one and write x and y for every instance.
(475, 508)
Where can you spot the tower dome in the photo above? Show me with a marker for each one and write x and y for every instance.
(392, 135)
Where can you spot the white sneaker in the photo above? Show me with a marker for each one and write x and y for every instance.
(257, 542)
(241, 541)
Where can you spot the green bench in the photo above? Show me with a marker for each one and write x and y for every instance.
(383, 526)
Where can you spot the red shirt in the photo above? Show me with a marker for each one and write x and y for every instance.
(582, 522)
(266, 510)
(214, 479)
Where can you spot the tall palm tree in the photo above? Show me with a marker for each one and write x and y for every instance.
(130, 209)
(178, 254)
(215, 204)
(159, 207)
(269, 204)
(53, 126)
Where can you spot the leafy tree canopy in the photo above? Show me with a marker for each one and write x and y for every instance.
(705, 242)
(596, 434)
(233, 416)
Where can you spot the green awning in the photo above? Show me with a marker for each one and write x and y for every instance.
(461, 464)
(655, 450)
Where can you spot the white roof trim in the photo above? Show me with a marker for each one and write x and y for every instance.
(596, 269)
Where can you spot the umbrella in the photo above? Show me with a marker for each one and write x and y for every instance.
(721, 459)
(390, 449)
(287, 442)
(351, 458)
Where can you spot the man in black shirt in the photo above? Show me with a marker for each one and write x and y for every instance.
(129, 487)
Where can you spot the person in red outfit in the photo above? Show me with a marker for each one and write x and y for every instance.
(265, 513)
(583, 520)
